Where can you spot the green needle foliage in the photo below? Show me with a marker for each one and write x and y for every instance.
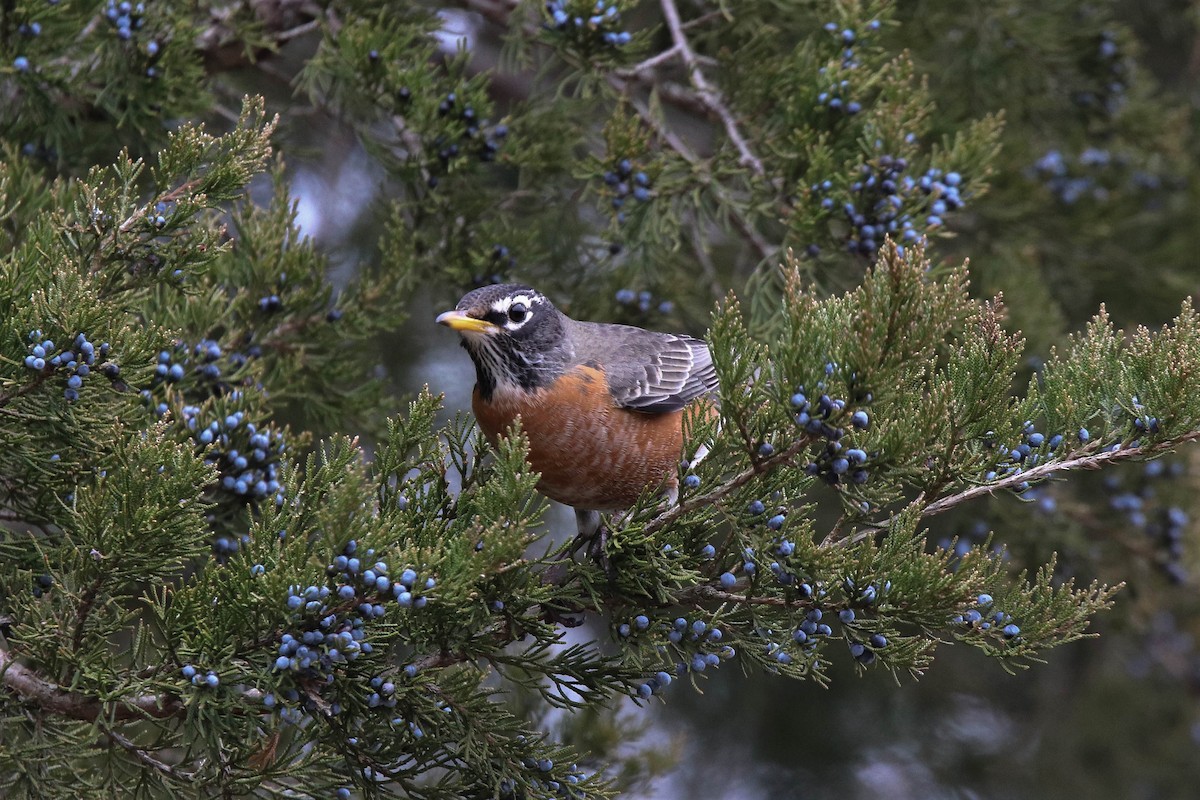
(210, 584)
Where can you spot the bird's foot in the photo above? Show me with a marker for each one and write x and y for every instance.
(593, 538)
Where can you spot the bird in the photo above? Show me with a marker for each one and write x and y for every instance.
(604, 406)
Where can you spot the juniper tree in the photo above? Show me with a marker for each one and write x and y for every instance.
(231, 562)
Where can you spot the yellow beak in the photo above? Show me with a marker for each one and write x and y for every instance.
(461, 322)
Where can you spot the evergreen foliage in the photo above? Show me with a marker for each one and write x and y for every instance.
(209, 583)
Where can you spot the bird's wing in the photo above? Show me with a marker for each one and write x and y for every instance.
(655, 372)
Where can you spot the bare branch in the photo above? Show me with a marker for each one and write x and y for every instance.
(706, 93)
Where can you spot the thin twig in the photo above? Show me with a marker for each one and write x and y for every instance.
(704, 19)
(705, 592)
(649, 64)
(299, 30)
(642, 69)
(1090, 460)
(708, 95)
(1042, 471)
(147, 759)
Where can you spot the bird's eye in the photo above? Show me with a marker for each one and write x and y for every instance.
(517, 312)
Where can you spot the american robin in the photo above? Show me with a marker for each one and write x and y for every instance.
(602, 405)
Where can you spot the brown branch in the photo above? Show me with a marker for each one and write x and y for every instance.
(1090, 460)
(49, 696)
(649, 65)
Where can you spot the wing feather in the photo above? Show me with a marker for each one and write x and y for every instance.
(676, 371)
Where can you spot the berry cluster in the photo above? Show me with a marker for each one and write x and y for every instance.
(832, 98)
(848, 38)
(42, 584)
(1095, 174)
(803, 640)
(479, 138)
(812, 629)
(226, 547)
(548, 787)
(643, 301)
(805, 636)
(30, 29)
(76, 363)
(125, 17)
(1164, 525)
(208, 680)
(588, 24)
(863, 600)
(885, 201)
(836, 96)
(834, 464)
(329, 621)
(161, 209)
(1143, 422)
(984, 616)
(694, 640)
(251, 473)
(247, 457)
(1106, 64)
(623, 181)
(205, 361)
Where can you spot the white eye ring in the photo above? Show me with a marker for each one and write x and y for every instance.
(517, 309)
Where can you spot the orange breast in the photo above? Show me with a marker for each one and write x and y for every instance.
(591, 454)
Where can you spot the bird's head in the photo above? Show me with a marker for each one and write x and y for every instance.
(515, 336)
